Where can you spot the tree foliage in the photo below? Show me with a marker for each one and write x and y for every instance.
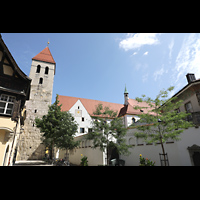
(166, 122)
(108, 136)
(58, 128)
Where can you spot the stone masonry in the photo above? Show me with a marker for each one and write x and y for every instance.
(42, 74)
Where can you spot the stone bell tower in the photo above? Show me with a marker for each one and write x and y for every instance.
(42, 74)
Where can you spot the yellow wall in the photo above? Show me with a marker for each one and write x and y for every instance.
(6, 122)
(2, 146)
(6, 126)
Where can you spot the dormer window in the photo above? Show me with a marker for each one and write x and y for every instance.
(135, 119)
(6, 104)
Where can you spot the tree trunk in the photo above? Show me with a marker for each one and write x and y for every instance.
(163, 151)
(162, 144)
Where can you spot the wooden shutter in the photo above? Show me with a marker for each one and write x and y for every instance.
(16, 110)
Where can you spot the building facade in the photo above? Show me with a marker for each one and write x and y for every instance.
(22, 100)
(14, 91)
(42, 74)
(185, 152)
(82, 109)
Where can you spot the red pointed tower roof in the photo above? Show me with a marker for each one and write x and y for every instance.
(45, 55)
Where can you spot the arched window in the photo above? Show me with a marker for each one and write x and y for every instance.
(38, 69)
(46, 70)
(140, 141)
(41, 81)
(132, 141)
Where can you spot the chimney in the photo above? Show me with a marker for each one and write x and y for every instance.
(190, 77)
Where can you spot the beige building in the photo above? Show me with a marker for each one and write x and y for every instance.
(14, 91)
(185, 152)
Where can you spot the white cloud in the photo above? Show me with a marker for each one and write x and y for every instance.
(135, 53)
(145, 78)
(146, 53)
(188, 59)
(158, 73)
(134, 41)
(170, 46)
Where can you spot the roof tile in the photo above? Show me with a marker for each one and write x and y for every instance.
(44, 55)
(90, 105)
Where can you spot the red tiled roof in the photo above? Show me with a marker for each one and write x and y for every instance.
(128, 109)
(44, 55)
(90, 105)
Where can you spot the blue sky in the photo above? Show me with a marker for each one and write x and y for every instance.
(98, 65)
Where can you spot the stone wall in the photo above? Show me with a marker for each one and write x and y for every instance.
(30, 147)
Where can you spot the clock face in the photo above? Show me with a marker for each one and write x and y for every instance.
(78, 113)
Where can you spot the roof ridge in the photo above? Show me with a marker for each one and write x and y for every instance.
(91, 99)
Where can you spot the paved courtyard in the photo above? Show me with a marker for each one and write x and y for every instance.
(31, 163)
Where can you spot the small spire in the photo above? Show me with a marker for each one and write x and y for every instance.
(125, 91)
(48, 43)
(126, 98)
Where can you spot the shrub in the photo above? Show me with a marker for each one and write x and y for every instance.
(84, 161)
(146, 162)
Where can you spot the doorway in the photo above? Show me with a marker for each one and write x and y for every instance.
(196, 158)
(194, 152)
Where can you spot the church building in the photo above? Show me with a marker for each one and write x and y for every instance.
(82, 109)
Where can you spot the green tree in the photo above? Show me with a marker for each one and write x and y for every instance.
(58, 128)
(108, 136)
(165, 122)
